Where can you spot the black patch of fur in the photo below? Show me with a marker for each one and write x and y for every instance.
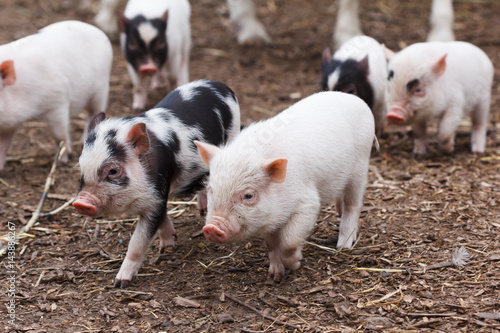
(326, 70)
(352, 75)
(201, 110)
(411, 84)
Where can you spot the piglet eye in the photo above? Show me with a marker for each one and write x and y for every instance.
(131, 45)
(114, 173)
(248, 196)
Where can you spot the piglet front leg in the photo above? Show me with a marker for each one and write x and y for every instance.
(139, 244)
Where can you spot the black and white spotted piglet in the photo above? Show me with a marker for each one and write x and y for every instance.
(132, 164)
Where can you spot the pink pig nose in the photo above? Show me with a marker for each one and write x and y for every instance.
(84, 207)
(396, 116)
(148, 69)
(214, 234)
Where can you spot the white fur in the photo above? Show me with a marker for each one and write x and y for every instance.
(178, 36)
(327, 140)
(464, 88)
(147, 32)
(61, 70)
(357, 48)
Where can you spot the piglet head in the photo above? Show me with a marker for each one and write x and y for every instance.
(112, 177)
(408, 91)
(7, 73)
(144, 42)
(237, 194)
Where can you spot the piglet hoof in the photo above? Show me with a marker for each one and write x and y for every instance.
(419, 157)
(276, 272)
(121, 284)
(168, 248)
(138, 110)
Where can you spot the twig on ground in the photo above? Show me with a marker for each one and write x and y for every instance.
(382, 299)
(48, 184)
(57, 210)
(234, 299)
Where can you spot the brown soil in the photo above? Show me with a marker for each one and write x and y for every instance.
(416, 212)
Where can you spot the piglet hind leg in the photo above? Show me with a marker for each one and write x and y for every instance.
(447, 129)
(201, 201)
(479, 127)
(351, 208)
(139, 244)
(58, 120)
(419, 139)
(5, 141)
(167, 234)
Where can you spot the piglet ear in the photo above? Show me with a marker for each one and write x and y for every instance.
(440, 66)
(122, 21)
(138, 137)
(207, 151)
(388, 53)
(276, 169)
(8, 73)
(95, 121)
(164, 17)
(326, 57)
(365, 66)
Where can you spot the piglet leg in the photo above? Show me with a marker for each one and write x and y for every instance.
(5, 141)
(201, 201)
(285, 246)
(479, 126)
(351, 207)
(139, 243)
(140, 95)
(420, 138)
(167, 234)
(447, 129)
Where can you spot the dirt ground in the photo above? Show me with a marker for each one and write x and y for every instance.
(416, 213)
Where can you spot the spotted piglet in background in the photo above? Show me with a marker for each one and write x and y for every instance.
(156, 41)
(359, 68)
(273, 178)
(132, 164)
(444, 81)
(60, 70)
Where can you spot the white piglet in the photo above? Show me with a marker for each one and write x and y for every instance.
(60, 70)
(273, 178)
(444, 81)
(156, 41)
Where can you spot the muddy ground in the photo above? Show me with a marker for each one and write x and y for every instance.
(416, 213)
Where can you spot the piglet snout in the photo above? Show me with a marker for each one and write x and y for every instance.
(84, 206)
(148, 69)
(397, 116)
(214, 234)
